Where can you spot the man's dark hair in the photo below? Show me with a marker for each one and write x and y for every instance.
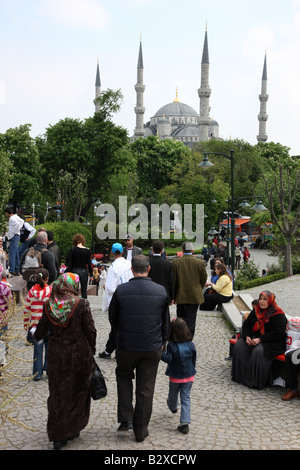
(140, 264)
(157, 246)
(50, 236)
(8, 210)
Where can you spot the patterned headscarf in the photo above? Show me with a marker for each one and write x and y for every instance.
(63, 299)
(263, 316)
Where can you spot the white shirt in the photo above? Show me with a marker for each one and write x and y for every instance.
(14, 226)
(129, 254)
(30, 229)
(118, 273)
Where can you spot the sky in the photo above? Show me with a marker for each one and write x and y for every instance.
(49, 52)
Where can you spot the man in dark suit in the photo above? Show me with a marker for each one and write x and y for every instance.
(161, 270)
(139, 316)
(189, 279)
(130, 250)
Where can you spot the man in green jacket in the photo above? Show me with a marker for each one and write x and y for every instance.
(189, 280)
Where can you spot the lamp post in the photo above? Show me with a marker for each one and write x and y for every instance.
(210, 227)
(33, 214)
(258, 207)
(205, 164)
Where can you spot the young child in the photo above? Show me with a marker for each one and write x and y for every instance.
(36, 297)
(181, 360)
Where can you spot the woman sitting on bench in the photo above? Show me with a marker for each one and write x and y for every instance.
(263, 337)
(222, 289)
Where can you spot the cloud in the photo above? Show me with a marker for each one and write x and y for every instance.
(77, 13)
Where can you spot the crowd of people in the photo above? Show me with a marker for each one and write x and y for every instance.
(137, 293)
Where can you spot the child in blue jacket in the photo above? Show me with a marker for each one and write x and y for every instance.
(181, 360)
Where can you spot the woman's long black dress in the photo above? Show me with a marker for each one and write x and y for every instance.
(251, 365)
(71, 352)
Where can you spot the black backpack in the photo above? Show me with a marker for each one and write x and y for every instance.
(24, 233)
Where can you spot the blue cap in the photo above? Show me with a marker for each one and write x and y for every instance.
(117, 247)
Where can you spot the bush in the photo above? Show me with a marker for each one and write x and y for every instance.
(247, 272)
(65, 231)
(242, 285)
(296, 264)
(274, 268)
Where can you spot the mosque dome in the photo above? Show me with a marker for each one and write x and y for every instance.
(176, 109)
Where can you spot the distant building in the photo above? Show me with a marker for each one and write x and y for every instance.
(179, 121)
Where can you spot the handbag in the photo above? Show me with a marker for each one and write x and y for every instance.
(210, 291)
(98, 386)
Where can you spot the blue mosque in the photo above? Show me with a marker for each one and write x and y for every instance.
(179, 121)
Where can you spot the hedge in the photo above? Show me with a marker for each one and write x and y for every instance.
(242, 285)
(64, 232)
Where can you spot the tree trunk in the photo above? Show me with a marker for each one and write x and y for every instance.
(288, 257)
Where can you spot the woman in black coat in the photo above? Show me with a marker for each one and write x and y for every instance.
(263, 337)
(79, 262)
(71, 349)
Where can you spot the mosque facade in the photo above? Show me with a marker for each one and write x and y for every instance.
(179, 121)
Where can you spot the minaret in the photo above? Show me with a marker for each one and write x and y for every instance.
(263, 97)
(139, 88)
(97, 89)
(204, 93)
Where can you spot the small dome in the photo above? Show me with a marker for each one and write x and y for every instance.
(189, 131)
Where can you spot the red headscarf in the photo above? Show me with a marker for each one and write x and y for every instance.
(263, 315)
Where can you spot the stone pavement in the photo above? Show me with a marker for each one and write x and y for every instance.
(225, 415)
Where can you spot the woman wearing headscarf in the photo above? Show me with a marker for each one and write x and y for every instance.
(263, 337)
(71, 348)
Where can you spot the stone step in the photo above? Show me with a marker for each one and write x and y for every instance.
(247, 299)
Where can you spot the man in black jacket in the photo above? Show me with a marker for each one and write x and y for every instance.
(139, 313)
(161, 270)
(130, 250)
(48, 260)
(52, 246)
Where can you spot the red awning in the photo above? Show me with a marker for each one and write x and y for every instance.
(237, 222)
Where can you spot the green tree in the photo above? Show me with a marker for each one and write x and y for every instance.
(5, 187)
(287, 220)
(96, 147)
(27, 172)
(191, 184)
(71, 191)
(155, 163)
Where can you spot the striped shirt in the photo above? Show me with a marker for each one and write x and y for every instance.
(34, 305)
